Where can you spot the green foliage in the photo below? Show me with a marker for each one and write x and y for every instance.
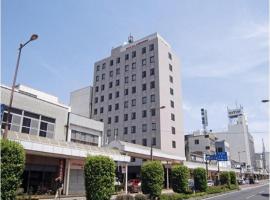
(225, 178)
(177, 196)
(152, 174)
(124, 197)
(180, 175)
(200, 181)
(140, 197)
(12, 167)
(234, 187)
(99, 172)
(233, 177)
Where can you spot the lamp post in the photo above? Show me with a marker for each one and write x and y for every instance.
(240, 162)
(151, 150)
(33, 37)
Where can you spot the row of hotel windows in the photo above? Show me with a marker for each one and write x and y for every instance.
(134, 116)
(133, 55)
(133, 104)
(133, 65)
(28, 122)
(84, 138)
(152, 72)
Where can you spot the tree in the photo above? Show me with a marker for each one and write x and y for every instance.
(152, 174)
(99, 172)
(200, 181)
(12, 167)
(180, 175)
(225, 178)
(233, 177)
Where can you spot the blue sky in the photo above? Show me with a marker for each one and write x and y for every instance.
(222, 45)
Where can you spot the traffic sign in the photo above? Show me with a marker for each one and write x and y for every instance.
(219, 156)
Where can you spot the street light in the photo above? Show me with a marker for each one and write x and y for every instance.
(32, 38)
(151, 150)
(240, 162)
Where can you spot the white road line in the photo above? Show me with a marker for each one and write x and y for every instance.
(251, 196)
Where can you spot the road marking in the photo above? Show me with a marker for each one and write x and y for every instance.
(251, 196)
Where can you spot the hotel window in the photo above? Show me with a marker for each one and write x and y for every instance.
(26, 125)
(96, 89)
(102, 98)
(43, 129)
(152, 71)
(154, 126)
(97, 78)
(125, 104)
(118, 60)
(125, 130)
(133, 141)
(126, 68)
(143, 62)
(110, 96)
(103, 65)
(143, 50)
(102, 87)
(126, 56)
(144, 100)
(117, 71)
(133, 89)
(98, 68)
(173, 130)
(116, 106)
(171, 79)
(109, 107)
(133, 54)
(152, 59)
(111, 73)
(151, 47)
(143, 87)
(96, 99)
(172, 117)
(207, 147)
(170, 67)
(126, 92)
(170, 55)
(133, 78)
(110, 84)
(133, 129)
(111, 63)
(117, 94)
(126, 79)
(154, 142)
(172, 104)
(144, 142)
(101, 110)
(152, 84)
(109, 120)
(153, 112)
(134, 65)
(116, 119)
(153, 98)
(196, 141)
(109, 133)
(103, 76)
(173, 144)
(133, 115)
(143, 74)
(144, 113)
(133, 102)
(171, 91)
(117, 82)
(144, 127)
(95, 111)
(125, 117)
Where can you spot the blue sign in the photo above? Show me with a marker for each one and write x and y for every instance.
(219, 156)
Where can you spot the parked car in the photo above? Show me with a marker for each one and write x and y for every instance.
(210, 183)
(116, 182)
(256, 181)
(241, 181)
(134, 185)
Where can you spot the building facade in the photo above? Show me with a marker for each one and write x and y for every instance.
(137, 94)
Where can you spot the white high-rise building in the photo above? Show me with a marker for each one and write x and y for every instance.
(137, 94)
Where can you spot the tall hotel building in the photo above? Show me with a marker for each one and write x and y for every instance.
(137, 94)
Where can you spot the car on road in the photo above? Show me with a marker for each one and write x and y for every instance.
(210, 183)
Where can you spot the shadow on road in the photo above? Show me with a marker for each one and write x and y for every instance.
(265, 195)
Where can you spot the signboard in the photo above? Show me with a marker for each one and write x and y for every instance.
(123, 169)
(219, 156)
(234, 113)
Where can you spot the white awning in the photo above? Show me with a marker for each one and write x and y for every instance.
(50, 147)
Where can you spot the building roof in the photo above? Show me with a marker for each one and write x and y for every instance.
(45, 146)
(143, 152)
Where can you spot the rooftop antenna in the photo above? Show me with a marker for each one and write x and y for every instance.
(130, 39)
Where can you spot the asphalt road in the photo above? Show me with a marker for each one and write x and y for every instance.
(256, 193)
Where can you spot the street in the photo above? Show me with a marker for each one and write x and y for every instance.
(257, 193)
